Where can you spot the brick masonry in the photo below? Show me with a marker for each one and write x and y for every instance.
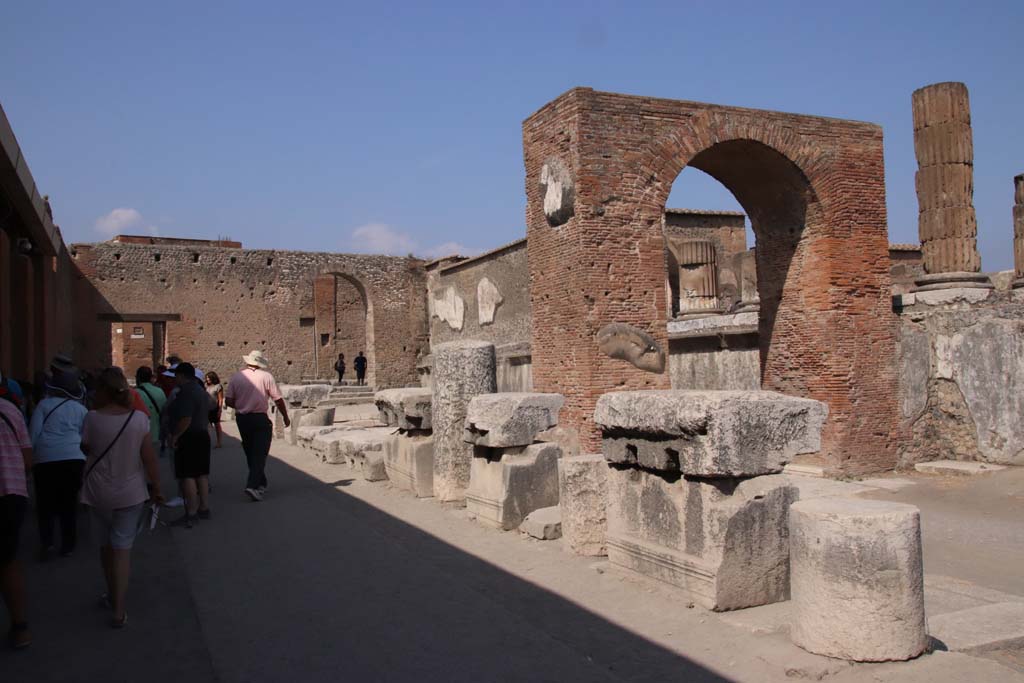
(814, 191)
(233, 300)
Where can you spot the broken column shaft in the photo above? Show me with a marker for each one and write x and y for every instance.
(947, 225)
(1018, 230)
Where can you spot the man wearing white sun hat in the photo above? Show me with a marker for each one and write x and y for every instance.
(248, 393)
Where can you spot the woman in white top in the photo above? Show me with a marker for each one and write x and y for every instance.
(120, 459)
(56, 431)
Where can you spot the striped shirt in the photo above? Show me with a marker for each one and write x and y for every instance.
(12, 464)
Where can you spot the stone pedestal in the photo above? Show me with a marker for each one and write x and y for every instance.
(943, 144)
(510, 474)
(583, 498)
(506, 484)
(1018, 231)
(686, 500)
(408, 454)
(461, 371)
(857, 579)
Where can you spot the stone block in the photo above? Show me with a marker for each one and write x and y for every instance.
(510, 419)
(372, 466)
(724, 541)
(506, 485)
(304, 395)
(940, 224)
(708, 433)
(980, 629)
(959, 468)
(296, 416)
(544, 524)
(325, 446)
(304, 435)
(319, 417)
(462, 370)
(407, 409)
(940, 103)
(944, 143)
(354, 445)
(857, 579)
(944, 186)
(409, 463)
(582, 494)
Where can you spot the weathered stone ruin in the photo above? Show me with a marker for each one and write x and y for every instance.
(409, 452)
(692, 496)
(1018, 230)
(512, 473)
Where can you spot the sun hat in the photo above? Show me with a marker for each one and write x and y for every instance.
(256, 357)
(65, 383)
(185, 369)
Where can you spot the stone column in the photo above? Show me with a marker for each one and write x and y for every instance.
(1018, 231)
(462, 370)
(947, 225)
(750, 300)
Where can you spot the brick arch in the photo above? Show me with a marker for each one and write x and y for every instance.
(814, 189)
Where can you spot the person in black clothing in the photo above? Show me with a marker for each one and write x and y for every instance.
(189, 419)
(360, 363)
(339, 367)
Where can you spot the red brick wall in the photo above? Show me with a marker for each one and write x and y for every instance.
(814, 191)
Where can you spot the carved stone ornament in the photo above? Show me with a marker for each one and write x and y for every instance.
(625, 342)
(559, 191)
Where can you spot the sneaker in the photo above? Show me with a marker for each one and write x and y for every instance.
(175, 502)
(204, 514)
(186, 520)
(255, 494)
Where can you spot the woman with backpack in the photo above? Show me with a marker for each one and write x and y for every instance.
(56, 431)
(120, 459)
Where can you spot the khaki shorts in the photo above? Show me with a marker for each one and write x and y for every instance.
(116, 528)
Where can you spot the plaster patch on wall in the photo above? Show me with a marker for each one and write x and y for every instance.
(450, 308)
(488, 298)
(915, 351)
(943, 357)
(559, 192)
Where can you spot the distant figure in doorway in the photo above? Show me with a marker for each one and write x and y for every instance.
(360, 364)
(215, 390)
(248, 392)
(339, 367)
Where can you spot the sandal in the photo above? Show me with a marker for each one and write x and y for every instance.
(119, 623)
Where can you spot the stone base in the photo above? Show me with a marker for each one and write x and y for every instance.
(504, 490)
(582, 496)
(544, 524)
(725, 542)
(372, 466)
(936, 281)
(409, 463)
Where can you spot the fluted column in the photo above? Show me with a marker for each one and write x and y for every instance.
(1018, 230)
(698, 278)
(947, 225)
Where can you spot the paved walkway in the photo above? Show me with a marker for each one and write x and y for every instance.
(333, 578)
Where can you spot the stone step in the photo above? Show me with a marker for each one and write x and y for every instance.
(957, 467)
(336, 401)
(980, 629)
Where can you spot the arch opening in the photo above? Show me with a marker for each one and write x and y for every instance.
(342, 323)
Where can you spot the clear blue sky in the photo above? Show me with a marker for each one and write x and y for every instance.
(296, 125)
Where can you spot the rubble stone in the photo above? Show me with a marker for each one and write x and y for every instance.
(503, 490)
(857, 579)
(510, 419)
(582, 493)
(708, 433)
(406, 409)
(462, 370)
(544, 524)
(304, 395)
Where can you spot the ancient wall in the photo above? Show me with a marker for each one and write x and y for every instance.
(906, 264)
(599, 169)
(488, 298)
(961, 357)
(219, 302)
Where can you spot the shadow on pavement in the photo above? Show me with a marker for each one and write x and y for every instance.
(315, 585)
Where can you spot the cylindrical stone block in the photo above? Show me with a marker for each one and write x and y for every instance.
(955, 255)
(856, 579)
(1018, 225)
(943, 144)
(940, 103)
(944, 224)
(319, 417)
(945, 186)
(462, 370)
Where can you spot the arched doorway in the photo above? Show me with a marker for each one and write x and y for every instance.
(342, 323)
(600, 167)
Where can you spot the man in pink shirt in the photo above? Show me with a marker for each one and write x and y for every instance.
(248, 393)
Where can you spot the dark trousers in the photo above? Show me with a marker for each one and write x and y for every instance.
(57, 486)
(360, 376)
(341, 376)
(257, 432)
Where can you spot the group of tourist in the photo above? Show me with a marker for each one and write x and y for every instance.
(93, 439)
(360, 365)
